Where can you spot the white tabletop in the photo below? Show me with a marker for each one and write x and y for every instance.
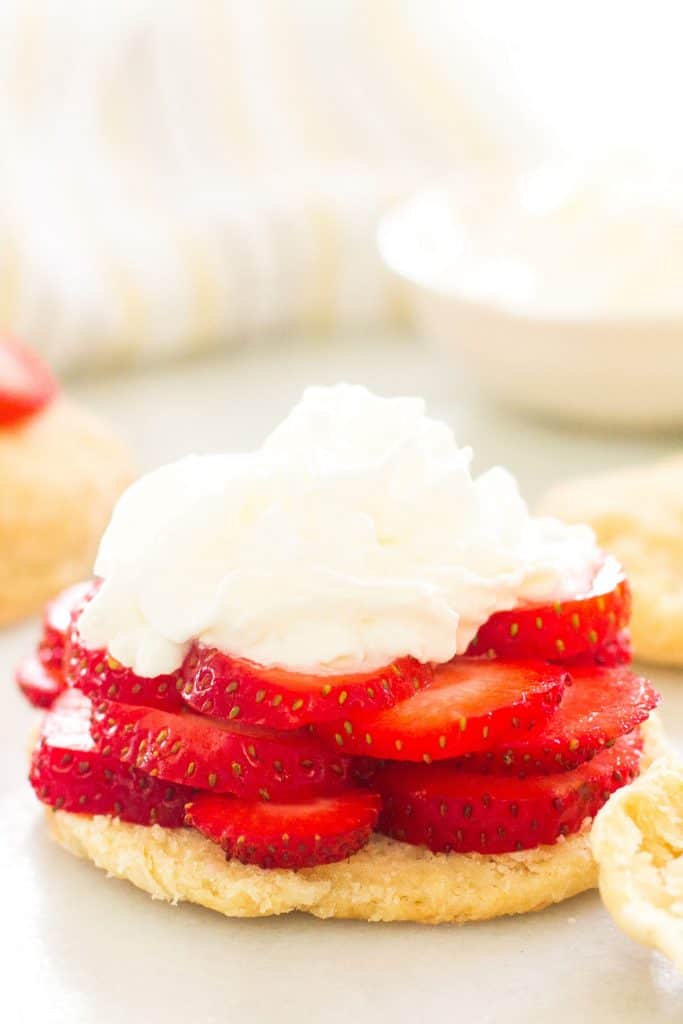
(77, 948)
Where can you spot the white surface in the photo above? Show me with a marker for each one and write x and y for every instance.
(78, 949)
(547, 311)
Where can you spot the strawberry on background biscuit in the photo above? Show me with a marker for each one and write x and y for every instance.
(61, 471)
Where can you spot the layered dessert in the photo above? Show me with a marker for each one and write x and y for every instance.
(339, 674)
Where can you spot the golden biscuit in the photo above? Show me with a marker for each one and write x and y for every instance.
(637, 515)
(60, 474)
(386, 881)
(637, 840)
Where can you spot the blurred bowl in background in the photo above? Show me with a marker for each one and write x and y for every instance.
(559, 293)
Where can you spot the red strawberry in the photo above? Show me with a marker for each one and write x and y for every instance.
(26, 384)
(57, 623)
(472, 704)
(320, 831)
(617, 652)
(39, 683)
(448, 810)
(247, 761)
(561, 631)
(217, 684)
(99, 675)
(598, 706)
(68, 773)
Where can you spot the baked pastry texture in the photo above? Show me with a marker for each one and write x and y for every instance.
(637, 841)
(637, 514)
(385, 881)
(60, 473)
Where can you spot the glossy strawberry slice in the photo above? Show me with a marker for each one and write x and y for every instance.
(217, 684)
(471, 704)
(68, 773)
(598, 706)
(99, 675)
(448, 810)
(40, 684)
(26, 384)
(227, 757)
(57, 623)
(320, 831)
(560, 631)
(618, 652)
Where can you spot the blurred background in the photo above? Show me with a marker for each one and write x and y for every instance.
(188, 177)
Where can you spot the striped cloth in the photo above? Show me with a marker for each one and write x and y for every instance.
(185, 174)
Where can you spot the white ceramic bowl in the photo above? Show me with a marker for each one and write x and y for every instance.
(610, 369)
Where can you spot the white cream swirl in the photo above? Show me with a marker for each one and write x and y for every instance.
(354, 535)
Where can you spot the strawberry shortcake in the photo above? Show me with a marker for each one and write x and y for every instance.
(61, 471)
(340, 674)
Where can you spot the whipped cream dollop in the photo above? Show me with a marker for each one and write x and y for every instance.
(354, 535)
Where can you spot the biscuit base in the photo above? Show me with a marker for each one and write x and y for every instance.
(386, 881)
(61, 474)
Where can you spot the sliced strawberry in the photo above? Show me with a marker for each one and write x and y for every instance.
(68, 773)
(618, 652)
(39, 683)
(219, 685)
(560, 631)
(320, 831)
(447, 810)
(99, 675)
(57, 623)
(26, 384)
(472, 704)
(598, 706)
(227, 757)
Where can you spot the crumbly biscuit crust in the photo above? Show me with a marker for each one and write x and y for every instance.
(637, 840)
(386, 881)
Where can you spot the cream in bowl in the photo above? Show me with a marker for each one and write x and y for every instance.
(560, 290)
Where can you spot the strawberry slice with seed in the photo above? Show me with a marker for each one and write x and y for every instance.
(471, 704)
(26, 384)
(301, 835)
(227, 757)
(598, 706)
(57, 623)
(40, 684)
(560, 631)
(99, 675)
(69, 773)
(617, 652)
(219, 685)
(448, 810)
